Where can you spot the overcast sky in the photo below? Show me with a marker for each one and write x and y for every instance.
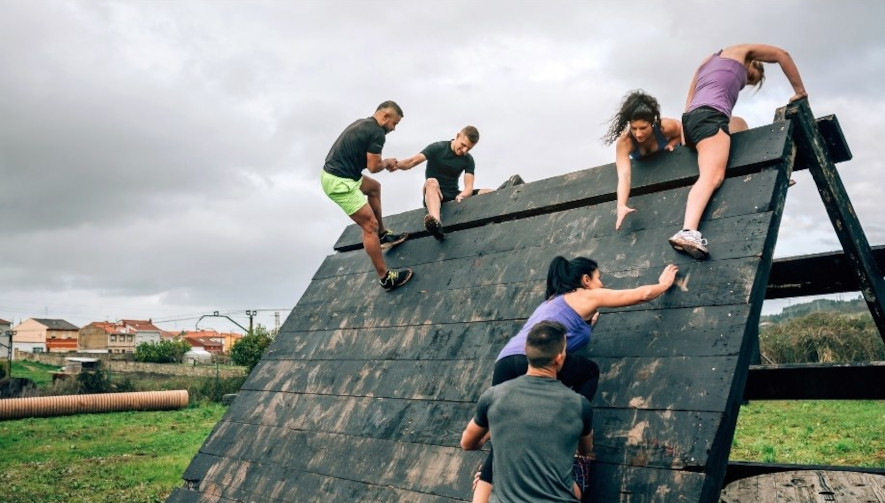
(161, 159)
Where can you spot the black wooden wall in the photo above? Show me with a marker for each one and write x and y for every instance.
(364, 394)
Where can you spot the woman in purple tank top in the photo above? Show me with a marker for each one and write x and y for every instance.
(705, 123)
(575, 293)
(639, 130)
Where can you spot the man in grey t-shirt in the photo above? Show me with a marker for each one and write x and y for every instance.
(536, 422)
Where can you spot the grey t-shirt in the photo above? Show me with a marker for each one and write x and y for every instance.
(347, 157)
(535, 423)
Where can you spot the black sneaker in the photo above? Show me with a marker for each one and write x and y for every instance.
(434, 227)
(513, 181)
(396, 279)
(389, 239)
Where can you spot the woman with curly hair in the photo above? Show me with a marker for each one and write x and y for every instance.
(711, 98)
(638, 130)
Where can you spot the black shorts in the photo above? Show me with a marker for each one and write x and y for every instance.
(702, 123)
(450, 196)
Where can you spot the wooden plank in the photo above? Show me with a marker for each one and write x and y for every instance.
(724, 282)
(454, 380)
(406, 420)
(831, 132)
(816, 274)
(751, 151)
(181, 495)
(846, 381)
(810, 486)
(645, 485)
(839, 209)
(420, 468)
(748, 195)
(463, 340)
(244, 480)
(665, 439)
(681, 383)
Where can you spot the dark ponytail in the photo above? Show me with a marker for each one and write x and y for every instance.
(565, 275)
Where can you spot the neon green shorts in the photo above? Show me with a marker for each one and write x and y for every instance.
(345, 192)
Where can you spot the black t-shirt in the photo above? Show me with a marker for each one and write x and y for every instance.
(347, 157)
(446, 167)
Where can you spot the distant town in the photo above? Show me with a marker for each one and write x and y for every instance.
(48, 335)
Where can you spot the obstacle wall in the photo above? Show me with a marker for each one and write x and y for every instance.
(364, 393)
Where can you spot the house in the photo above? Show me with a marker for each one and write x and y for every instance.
(145, 330)
(226, 339)
(122, 339)
(5, 344)
(37, 335)
(94, 337)
(209, 344)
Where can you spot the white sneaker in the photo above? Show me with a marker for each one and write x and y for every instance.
(691, 243)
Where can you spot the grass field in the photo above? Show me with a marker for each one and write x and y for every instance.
(40, 373)
(138, 457)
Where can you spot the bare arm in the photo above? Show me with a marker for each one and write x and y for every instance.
(672, 129)
(411, 162)
(374, 163)
(474, 436)
(468, 187)
(586, 302)
(622, 163)
(585, 445)
(770, 54)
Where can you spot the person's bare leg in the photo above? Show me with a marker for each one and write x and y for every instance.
(712, 158)
(432, 197)
(737, 124)
(365, 218)
(372, 189)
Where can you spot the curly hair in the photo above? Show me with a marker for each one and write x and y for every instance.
(637, 105)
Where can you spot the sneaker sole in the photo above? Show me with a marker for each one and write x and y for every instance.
(433, 226)
(695, 252)
(408, 275)
(387, 246)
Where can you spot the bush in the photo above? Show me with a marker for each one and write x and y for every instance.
(165, 351)
(822, 337)
(248, 350)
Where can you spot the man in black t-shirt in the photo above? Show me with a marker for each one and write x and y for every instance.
(358, 148)
(446, 160)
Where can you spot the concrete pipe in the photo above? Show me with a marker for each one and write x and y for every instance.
(47, 406)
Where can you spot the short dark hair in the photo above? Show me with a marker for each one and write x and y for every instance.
(545, 340)
(391, 104)
(471, 133)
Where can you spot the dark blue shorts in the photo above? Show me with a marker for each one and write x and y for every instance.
(702, 123)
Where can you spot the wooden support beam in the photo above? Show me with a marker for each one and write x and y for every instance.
(811, 148)
(849, 381)
(816, 274)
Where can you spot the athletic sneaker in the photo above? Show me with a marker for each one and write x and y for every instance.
(511, 182)
(389, 239)
(396, 279)
(434, 227)
(691, 243)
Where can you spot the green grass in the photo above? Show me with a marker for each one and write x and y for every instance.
(816, 432)
(40, 373)
(139, 457)
(119, 457)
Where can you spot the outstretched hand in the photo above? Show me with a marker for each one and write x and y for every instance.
(390, 164)
(623, 211)
(668, 276)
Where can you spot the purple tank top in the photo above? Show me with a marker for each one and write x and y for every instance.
(577, 330)
(719, 82)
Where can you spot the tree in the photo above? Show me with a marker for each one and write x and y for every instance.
(165, 351)
(248, 350)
